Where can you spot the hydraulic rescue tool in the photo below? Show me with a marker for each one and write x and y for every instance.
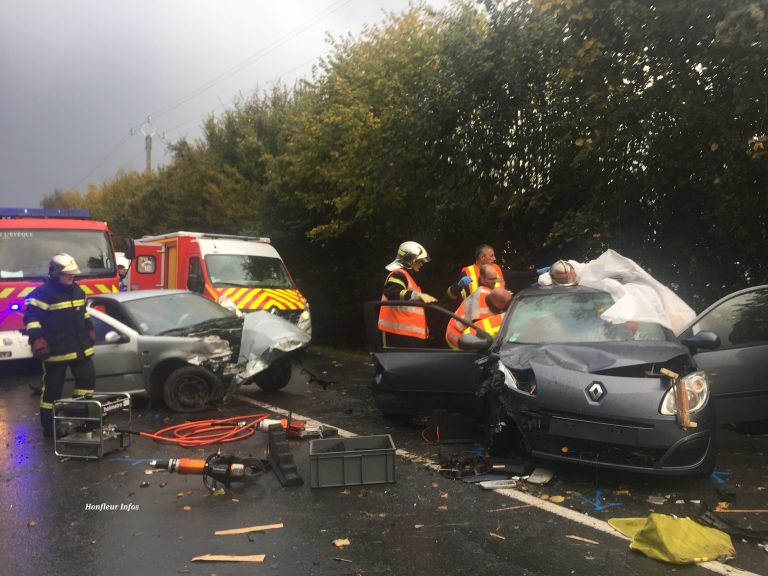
(218, 467)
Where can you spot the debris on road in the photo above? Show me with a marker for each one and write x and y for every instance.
(228, 558)
(580, 539)
(262, 528)
(540, 476)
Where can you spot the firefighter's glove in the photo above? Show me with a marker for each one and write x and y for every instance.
(543, 270)
(464, 282)
(426, 298)
(92, 335)
(40, 349)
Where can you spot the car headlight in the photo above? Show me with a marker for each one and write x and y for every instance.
(229, 305)
(697, 388)
(509, 379)
(305, 319)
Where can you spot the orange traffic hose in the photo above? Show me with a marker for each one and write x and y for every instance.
(207, 432)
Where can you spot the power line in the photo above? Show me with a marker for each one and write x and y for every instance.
(317, 17)
(334, 7)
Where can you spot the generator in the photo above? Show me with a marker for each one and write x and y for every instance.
(90, 426)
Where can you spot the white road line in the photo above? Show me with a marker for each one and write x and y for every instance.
(567, 513)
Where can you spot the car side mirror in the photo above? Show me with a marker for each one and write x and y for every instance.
(114, 337)
(129, 250)
(704, 340)
(474, 343)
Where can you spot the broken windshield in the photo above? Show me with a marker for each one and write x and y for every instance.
(572, 317)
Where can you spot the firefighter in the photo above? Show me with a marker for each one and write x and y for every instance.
(61, 334)
(468, 282)
(405, 326)
(473, 307)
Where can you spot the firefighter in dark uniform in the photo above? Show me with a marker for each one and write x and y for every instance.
(61, 335)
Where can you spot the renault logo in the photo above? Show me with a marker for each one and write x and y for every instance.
(596, 391)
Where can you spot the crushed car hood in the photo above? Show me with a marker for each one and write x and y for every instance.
(590, 358)
(266, 337)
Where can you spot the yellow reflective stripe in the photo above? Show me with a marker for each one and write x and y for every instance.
(62, 357)
(87, 289)
(26, 291)
(46, 405)
(404, 327)
(82, 392)
(34, 325)
(103, 288)
(36, 303)
(88, 351)
(397, 281)
(5, 293)
(87, 315)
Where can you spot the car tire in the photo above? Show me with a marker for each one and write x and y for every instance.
(188, 389)
(276, 377)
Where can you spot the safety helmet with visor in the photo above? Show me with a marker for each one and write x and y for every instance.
(62, 263)
(563, 273)
(407, 253)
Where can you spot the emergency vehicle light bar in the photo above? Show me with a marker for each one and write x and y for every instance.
(44, 213)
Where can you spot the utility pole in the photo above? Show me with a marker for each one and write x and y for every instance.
(148, 130)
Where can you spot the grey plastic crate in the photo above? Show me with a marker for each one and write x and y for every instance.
(351, 461)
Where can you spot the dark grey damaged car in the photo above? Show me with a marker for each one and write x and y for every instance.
(580, 389)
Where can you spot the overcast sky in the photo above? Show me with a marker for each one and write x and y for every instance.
(76, 76)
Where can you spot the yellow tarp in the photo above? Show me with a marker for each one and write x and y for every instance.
(674, 540)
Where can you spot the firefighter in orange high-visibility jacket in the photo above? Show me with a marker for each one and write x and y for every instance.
(405, 326)
(61, 335)
(473, 308)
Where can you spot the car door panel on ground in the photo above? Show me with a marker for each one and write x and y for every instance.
(738, 369)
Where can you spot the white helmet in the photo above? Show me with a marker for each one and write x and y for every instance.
(62, 263)
(407, 254)
(563, 273)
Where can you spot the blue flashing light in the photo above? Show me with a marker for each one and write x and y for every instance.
(15, 306)
(44, 213)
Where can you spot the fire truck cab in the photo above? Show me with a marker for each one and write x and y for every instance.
(29, 237)
(241, 272)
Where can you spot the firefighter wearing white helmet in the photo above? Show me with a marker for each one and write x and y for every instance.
(405, 326)
(61, 334)
(563, 273)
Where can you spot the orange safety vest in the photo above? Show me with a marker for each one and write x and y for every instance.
(479, 310)
(491, 324)
(473, 272)
(403, 320)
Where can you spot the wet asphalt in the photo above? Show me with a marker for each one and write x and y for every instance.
(67, 516)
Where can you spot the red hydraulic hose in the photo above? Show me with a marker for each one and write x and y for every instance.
(207, 432)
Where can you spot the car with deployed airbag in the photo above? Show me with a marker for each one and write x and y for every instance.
(581, 382)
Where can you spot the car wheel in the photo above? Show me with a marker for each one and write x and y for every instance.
(275, 377)
(188, 389)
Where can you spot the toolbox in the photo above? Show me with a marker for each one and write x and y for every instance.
(91, 426)
(351, 461)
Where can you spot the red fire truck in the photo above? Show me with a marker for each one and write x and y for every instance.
(237, 271)
(29, 237)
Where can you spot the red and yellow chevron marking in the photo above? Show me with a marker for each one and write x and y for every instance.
(91, 289)
(16, 292)
(263, 299)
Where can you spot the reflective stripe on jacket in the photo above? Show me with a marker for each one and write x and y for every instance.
(403, 320)
(472, 308)
(59, 315)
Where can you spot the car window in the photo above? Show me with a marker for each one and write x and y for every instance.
(739, 321)
(572, 317)
(243, 270)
